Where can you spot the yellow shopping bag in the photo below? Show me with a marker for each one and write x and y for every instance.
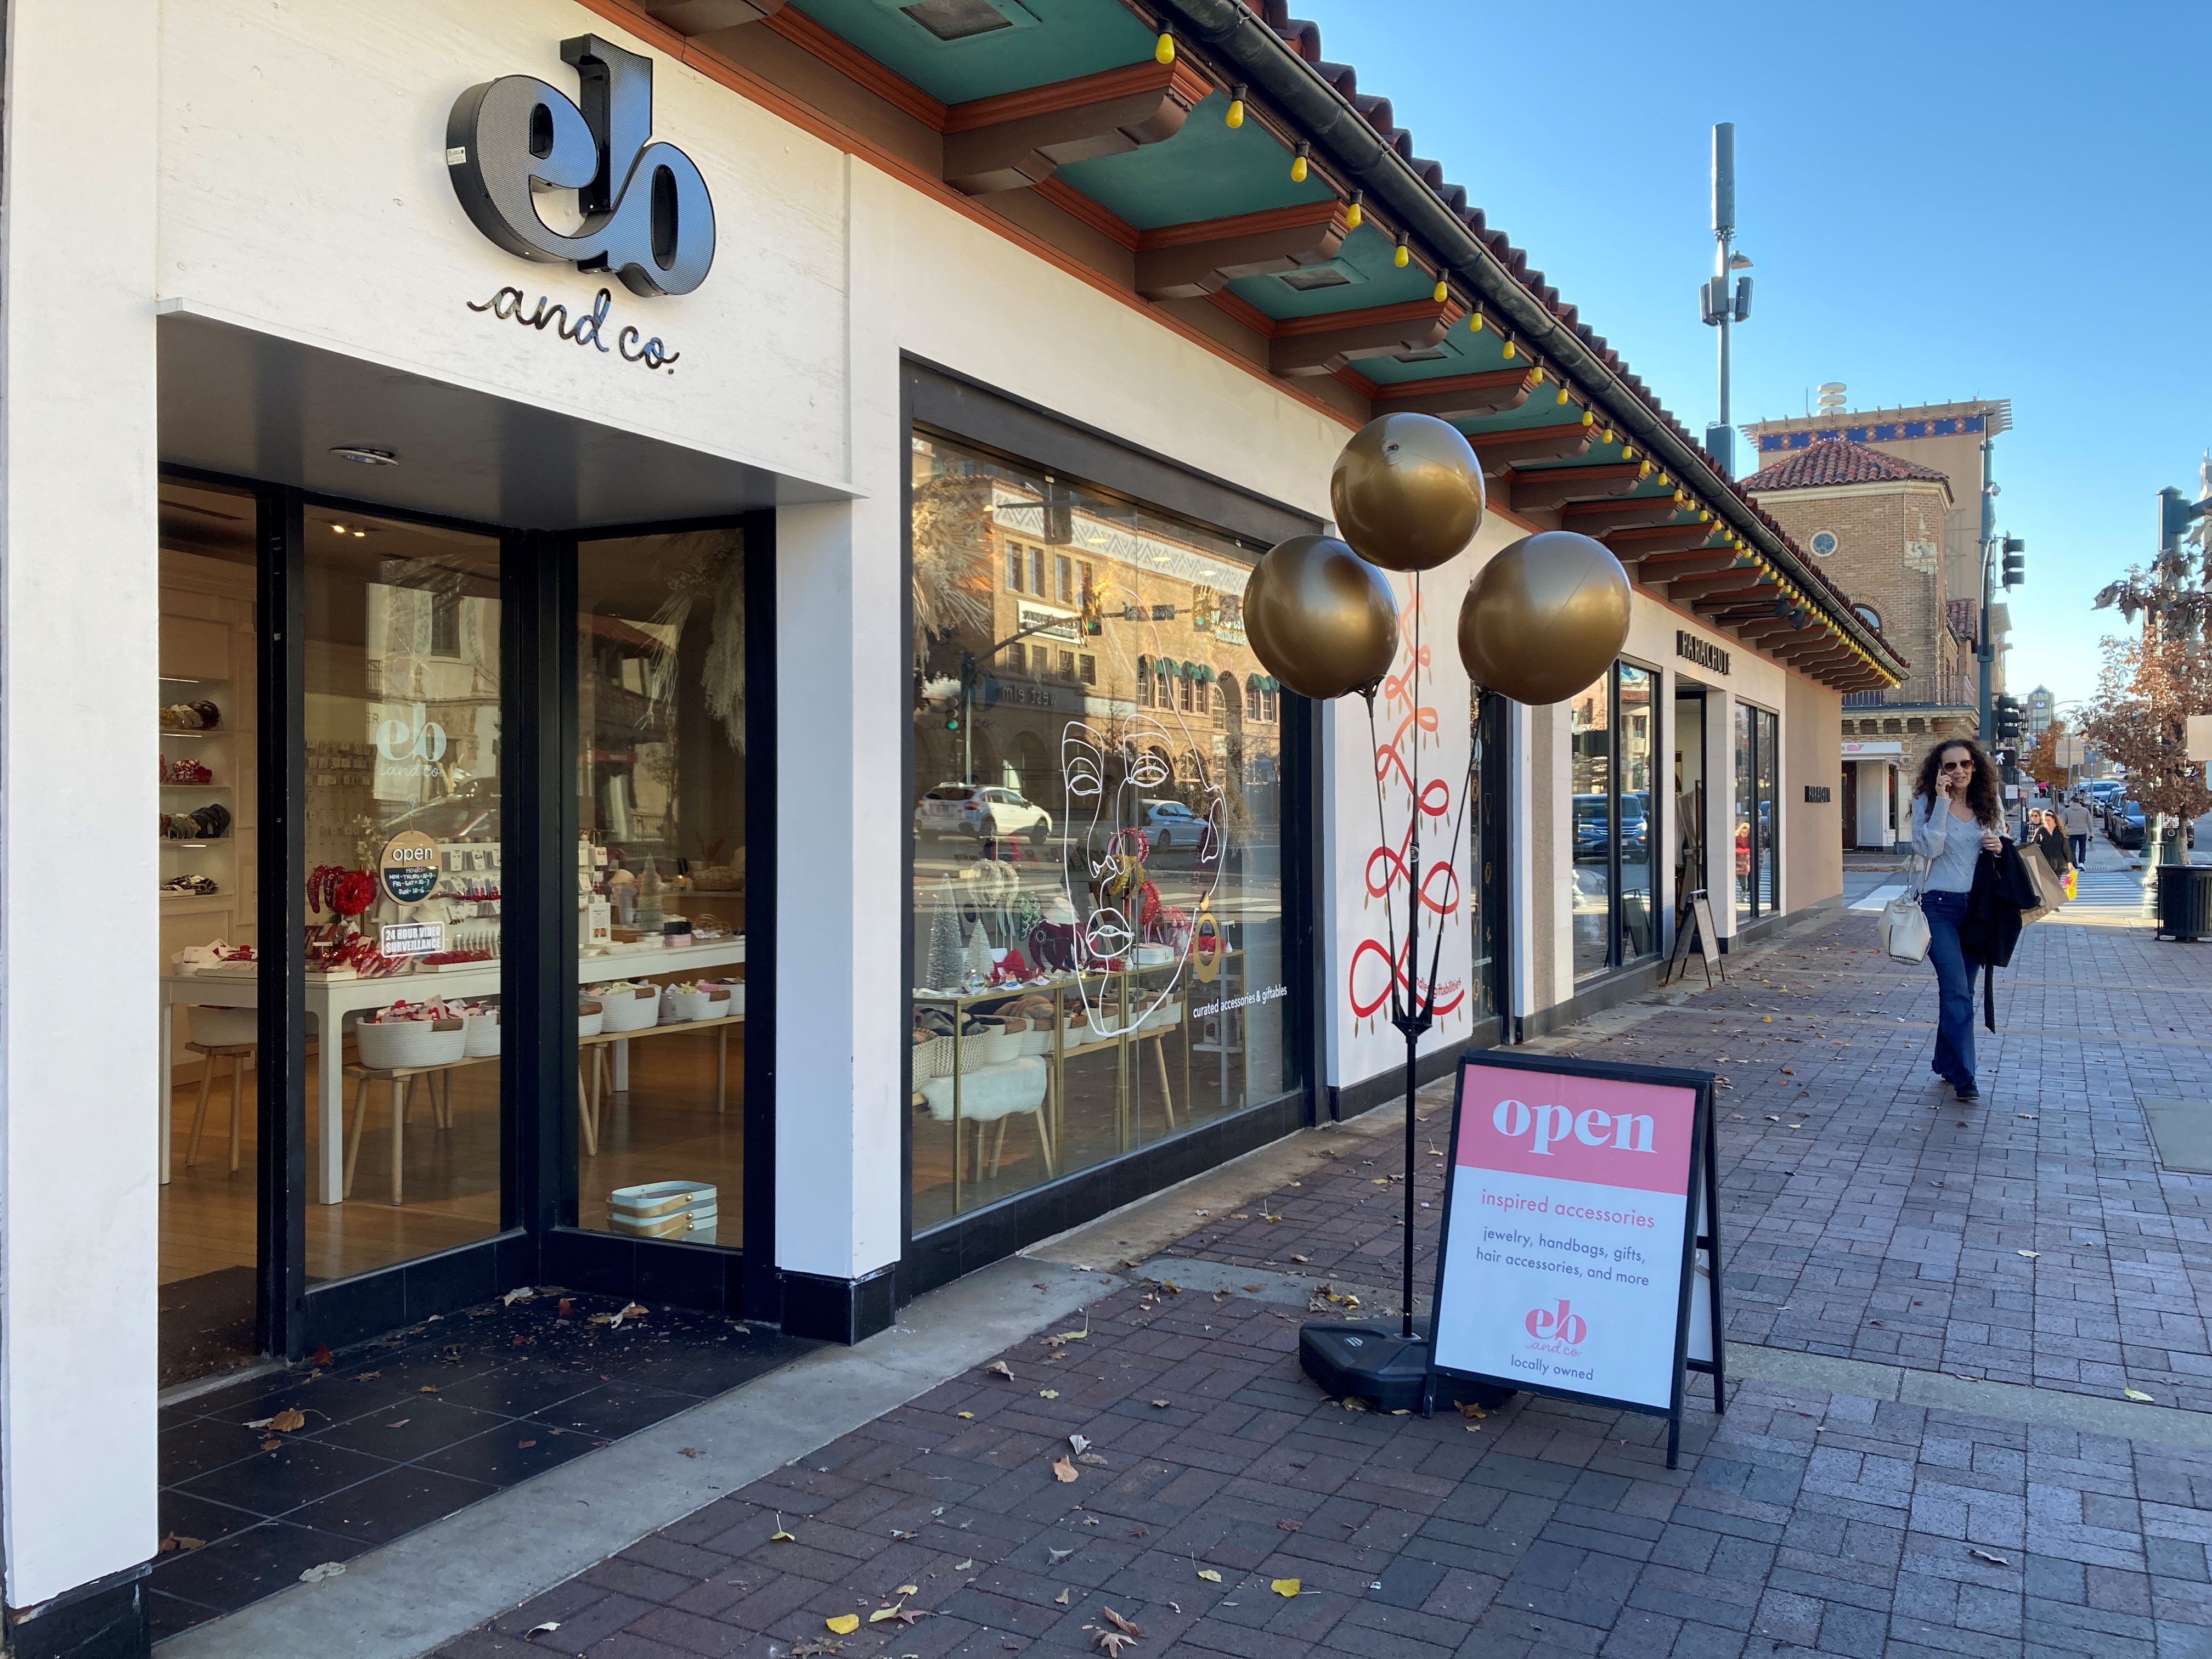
(2070, 874)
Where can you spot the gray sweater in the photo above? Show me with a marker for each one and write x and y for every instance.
(1950, 847)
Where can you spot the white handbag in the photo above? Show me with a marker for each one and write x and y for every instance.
(1903, 925)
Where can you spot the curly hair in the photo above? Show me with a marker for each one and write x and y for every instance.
(1981, 792)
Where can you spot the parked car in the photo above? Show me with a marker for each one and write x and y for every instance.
(1590, 834)
(1171, 824)
(2126, 824)
(967, 809)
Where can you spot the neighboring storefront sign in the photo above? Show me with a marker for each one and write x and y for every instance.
(1569, 1252)
(646, 214)
(407, 869)
(1703, 652)
(1868, 748)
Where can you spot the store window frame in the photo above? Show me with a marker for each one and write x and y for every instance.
(1764, 887)
(939, 403)
(1655, 818)
(537, 1237)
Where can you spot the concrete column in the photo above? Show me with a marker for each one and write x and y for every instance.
(1720, 809)
(79, 919)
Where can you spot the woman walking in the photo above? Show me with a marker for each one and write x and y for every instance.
(2049, 839)
(1956, 816)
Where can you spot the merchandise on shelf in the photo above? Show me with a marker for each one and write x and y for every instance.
(184, 772)
(209, 823)
(198, 886)
(201, 716)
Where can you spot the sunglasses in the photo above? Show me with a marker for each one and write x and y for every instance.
(1958, 766)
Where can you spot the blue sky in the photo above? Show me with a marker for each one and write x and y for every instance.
(1942, 201)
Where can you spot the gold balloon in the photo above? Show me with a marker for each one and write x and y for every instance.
(1544, 617)
(1323, 620)
(1407, 492)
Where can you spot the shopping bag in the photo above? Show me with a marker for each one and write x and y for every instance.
(2050, 891)
(2070, 874)
(1903, 925)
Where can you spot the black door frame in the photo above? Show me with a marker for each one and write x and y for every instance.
(538, 1238)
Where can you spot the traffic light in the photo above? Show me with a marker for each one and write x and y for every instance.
(2011, 720)
(2015, 561)
(2175, 516)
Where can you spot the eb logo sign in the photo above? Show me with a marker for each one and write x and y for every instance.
(1557, 1325)
(647, 216)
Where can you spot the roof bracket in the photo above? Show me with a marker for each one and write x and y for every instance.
(1018, 139)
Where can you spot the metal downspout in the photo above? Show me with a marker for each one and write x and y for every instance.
(1231, 30)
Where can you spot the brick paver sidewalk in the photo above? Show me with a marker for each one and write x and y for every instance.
(1864, 1217)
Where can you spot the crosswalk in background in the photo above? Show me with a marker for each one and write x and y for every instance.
(2102, 898)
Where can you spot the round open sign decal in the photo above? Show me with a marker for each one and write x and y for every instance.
(408, 868)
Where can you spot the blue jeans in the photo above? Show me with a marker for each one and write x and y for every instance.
(2080, 846)
(1954, 981)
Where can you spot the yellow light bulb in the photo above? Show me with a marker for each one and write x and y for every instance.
(1588, 419)
(1474, 322)
(1403, 257)
(1165, 51)
(1298, 169)
(1509, 350)
(1354, 216)
(1536, 375)
(1236, 116)
(1628, 454)
(1562, 397)
(1444, 291)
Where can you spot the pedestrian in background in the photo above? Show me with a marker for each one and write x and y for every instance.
(1958, 812)
(2076, 819)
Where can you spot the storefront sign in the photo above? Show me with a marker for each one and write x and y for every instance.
(395, 939)
(646, 214)
(1868, 748)
(1816, 794)
(1704, 652)
(589, 328)
(1570, 1248)
(408, 868)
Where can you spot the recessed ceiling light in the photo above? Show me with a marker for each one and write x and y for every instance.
(361, 455)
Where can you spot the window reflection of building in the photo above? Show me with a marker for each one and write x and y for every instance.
(1069, 613)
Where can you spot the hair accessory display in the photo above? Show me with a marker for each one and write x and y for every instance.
(184, 772)
(201, 716)
(209, 823)
(199, 886)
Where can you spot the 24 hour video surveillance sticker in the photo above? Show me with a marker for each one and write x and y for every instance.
(1568, 1256)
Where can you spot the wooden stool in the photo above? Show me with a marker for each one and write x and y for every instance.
(209, 1053)
(402, 1079)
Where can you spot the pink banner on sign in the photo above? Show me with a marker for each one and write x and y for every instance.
(1589, 1129)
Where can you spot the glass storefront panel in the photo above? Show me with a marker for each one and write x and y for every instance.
(1769, 809)
(660, 885)
(1747, 810)
(1098, 833)
(401, 727)
(209, 721)
(1590, 733)
(1639, 806)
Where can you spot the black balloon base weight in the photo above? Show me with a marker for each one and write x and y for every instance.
(1381, 1366)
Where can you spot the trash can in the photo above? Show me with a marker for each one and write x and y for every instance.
(2185, 902)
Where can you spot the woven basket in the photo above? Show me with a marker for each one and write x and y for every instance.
(926, 1058)
(412, 1042)
(631, 1013)
(590, 1015)
(977, 1050)
(680, 1007)
(224, 1028)
(484, 1035)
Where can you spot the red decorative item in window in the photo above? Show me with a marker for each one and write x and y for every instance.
(352, 892)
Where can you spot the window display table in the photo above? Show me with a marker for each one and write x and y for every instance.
(329, 1001)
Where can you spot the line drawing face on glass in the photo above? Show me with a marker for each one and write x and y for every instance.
(1115, 902)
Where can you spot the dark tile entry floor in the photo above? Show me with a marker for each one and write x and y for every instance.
(406, 1430)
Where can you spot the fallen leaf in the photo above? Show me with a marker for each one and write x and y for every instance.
(545, 1628)
(1209, 1575)
(1241, 1215)
(1057, 1353)
(1984, 1555)
(962, 1566)
(1301, 1258)
(1264, 1216)
(636, 1311)
(175, 1543)
(2136, 1394)
(289, 1422)
(1469, 1410)
(2031, 1255)
(1109, 1642)
(428, 1388)
(997, 1368)
(1063, 1471)
(690, 1451)
(844, 1623)
(1380, 1181)
(272, 1444)
(896, 1532)
(814, 1646)
(564, 1308)
(2030, 1116)
(1285, 1587)
(969, 1417)
(401, 1424)
(1058, 1556)
(1081, 1442)
(1073, 1336)
(908, 1589)
(1352, 1402)
(1047, 1393)
(1060, 1600)
(882, 1613)
(1126, 1626)
(524, 1445)
(522, 1294)
(1159, 1402)
(321, 1355)
(780, 1536)
(315, 1575)
(368, 1376)
(1091, 1458)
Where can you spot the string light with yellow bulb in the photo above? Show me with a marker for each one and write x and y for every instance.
(1403, 255)
(1163, 49)
(1355, 214)
(1236, 116)
(1298, 168)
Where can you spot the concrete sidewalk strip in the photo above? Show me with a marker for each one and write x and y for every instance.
(429, 1587)
(1880, 896)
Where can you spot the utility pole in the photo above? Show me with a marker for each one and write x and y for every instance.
(1716, 306)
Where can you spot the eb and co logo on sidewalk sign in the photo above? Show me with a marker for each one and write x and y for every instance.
(646, 213)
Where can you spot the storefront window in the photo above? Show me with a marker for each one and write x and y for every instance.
(1591, 726)
(660, 885)
(401, 725)
(1614, 745)
(1097, 824)
(1758, 774)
